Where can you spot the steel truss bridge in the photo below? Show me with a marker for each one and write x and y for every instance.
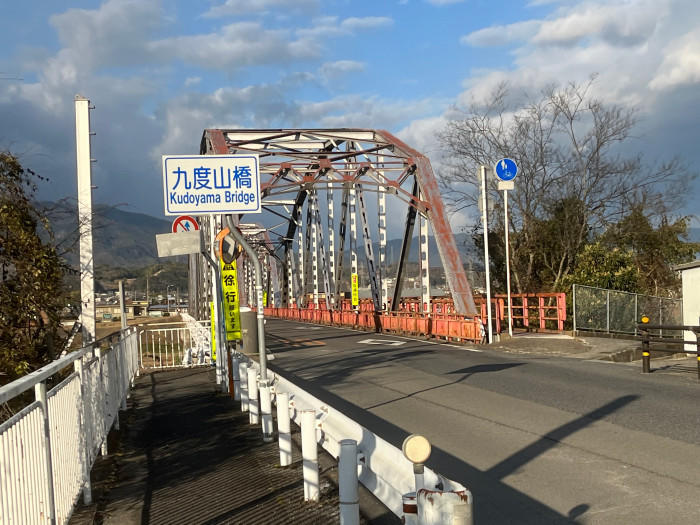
(315, 183)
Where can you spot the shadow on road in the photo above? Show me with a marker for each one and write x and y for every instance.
(466, 373)
(494, 500)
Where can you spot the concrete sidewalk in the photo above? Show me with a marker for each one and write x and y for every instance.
(186, 454)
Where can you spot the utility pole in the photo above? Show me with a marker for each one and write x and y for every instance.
(84, 173)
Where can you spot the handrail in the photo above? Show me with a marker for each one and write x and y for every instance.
(46, 464)
(24, 383)
(384, 470)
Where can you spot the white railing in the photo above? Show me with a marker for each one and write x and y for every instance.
(167, 346)
(48, 448)
(383, 468)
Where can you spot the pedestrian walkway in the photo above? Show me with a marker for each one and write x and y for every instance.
(186, 454)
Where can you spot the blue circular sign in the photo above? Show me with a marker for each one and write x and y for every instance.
(506, 169)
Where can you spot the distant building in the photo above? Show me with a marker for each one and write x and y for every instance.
(111, 311)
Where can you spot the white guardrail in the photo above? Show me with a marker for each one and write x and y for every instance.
(382, 468)
(48, 448)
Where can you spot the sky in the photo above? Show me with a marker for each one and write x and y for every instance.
(161, 71)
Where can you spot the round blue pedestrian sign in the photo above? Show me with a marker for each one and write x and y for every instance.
(506, 169)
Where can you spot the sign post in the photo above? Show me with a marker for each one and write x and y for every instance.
(487, 272)
(211, 185)
(506, 170)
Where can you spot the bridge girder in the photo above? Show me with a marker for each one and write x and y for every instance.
(294, 162)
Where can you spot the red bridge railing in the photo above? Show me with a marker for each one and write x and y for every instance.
(544, 311)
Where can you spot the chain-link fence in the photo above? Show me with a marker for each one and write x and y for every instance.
(613, 311)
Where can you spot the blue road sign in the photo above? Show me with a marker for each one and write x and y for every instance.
(506, 169)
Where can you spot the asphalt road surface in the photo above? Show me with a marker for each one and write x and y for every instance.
(537, 439)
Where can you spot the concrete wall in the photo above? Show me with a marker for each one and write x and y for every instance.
(691, 301)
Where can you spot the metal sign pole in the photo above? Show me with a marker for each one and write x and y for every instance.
(484, 218)
(510, 311)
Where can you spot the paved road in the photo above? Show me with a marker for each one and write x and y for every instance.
(538, 439)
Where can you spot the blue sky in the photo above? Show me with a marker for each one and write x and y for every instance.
(160, 71)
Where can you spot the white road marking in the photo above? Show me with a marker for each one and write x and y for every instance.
(385, 342)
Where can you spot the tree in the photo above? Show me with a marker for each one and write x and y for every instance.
(604, 267)
(30, 276)
(574, 178)
(654, 248)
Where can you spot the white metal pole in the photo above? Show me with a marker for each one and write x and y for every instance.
(243, 372)
(253, 395)
(309, 454)
(284, 428)
(42, 398)
(266, 411)
(84, 172)
(347, 483)
(510, 311)
(485, 220)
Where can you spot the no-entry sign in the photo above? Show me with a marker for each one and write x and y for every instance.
(185, 223)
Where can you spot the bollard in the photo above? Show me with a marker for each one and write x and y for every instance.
(309, 455)
(253, 409)
(284, 429)
(410, 509)
(438, 508)
(266, 411)
(243, 367)
(347, 483)
(646, 359)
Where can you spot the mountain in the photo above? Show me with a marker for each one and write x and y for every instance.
(120, 238)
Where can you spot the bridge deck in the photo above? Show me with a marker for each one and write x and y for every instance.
(188, 455)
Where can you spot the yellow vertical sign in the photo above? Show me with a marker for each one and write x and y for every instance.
(355, 289)
(232, 306)
(213, 332)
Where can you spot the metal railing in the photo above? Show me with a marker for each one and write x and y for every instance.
(173, 345)
(614, 311)
(48, 447)
(382, 468)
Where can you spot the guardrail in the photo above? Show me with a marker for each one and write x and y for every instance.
(48, 447)
(667, 344)
(172, 345)
(381, 467)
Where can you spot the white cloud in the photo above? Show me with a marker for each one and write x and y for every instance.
(327, 26)
(192, 81)
(238, 7)
(234, 46)
(681, 64)
(500, 35)
(331, 71)
(628, 22)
